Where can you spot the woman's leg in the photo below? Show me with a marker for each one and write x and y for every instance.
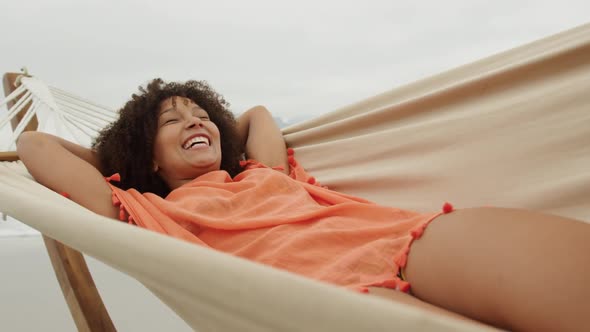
(514, 269)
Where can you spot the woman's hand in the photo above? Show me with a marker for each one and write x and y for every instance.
(262, 138)
(65, 167)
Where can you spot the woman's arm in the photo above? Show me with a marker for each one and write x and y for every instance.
(63, 166)
(262, 138)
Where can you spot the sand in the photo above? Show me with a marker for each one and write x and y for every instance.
(31, 300)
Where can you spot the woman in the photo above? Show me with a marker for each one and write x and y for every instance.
(178, 151)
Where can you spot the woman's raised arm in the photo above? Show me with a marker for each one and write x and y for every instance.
(262, 138)
(65, 167)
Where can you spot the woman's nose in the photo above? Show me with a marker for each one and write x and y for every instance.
(193, 121)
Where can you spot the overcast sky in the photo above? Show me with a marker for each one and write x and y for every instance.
(297, 58)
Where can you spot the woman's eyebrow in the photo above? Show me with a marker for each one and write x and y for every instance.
(165, 111)
(195, 108)
(199, 108)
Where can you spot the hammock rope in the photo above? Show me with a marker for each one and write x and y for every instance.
(18, 106)
(84, 103)
(16, 93)
(84, 112)
(81, 118)
(22, 124)
(78, 116)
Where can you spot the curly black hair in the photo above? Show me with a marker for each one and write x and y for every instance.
(126, 146)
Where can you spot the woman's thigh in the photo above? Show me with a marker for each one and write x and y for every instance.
(509, 268)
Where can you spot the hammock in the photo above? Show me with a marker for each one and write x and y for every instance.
(68, 116)
(510, 130)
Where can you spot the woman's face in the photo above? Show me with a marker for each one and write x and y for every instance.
(187, 143)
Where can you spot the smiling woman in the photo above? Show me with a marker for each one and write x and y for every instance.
(178, 151)
(140, 127)
(188, 142)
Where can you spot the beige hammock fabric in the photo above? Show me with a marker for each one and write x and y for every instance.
(510, 130)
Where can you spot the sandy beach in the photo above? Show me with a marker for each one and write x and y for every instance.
(31, 300)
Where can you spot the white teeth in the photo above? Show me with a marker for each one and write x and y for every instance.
(197, 139)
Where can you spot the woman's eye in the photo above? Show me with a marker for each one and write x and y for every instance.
(169, 121)
(204, 118)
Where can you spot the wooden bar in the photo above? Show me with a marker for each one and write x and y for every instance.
(8, 156)
(78, 288)
(86, 306)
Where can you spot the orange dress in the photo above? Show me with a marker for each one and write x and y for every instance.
(289, 222)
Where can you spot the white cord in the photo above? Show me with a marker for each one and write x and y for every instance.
(80, 117)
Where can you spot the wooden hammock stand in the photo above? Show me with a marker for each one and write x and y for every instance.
(84, 301)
